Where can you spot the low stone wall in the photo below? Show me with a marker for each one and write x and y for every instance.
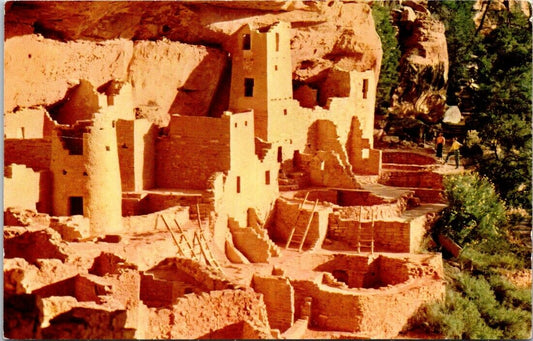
(377, 312)
(198, 316)
(395, 156)
(147, 222)
(278, 295)
(419, 179)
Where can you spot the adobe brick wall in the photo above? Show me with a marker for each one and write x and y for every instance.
(34, 153)
(392, 307)
(25, 188)
(147, 222)
(249, 243)
(278, 295)
(194, 316)
(395, 156)
(136, 150)
(380, 312)
(422, 179)
(285, 219)
(178, 164)
(27, 123)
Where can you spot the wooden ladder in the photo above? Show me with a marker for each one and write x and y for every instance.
(301, 242)
(296, 222)
(308, 226)
(182, 237)
(371, 240)
(204, 249)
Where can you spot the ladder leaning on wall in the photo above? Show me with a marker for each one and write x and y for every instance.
(299, 238)
(187, 249)
(365, 242)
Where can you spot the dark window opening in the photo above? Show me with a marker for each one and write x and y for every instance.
(365, 88)
(285, 112)
(64, 172)
(235, 124)
(248, 87)
(277, 41)
(296, 159)
(275, 67)
(280, 154)
(107, 148)
(238, 184)
(85, 174)
(246, 42)
(267, 177)
(76, 205)
(246, 123)
(340, 275)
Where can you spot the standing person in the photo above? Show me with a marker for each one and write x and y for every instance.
(440, 141)
(455, 150)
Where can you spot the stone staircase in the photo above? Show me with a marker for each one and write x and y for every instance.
(253, 242)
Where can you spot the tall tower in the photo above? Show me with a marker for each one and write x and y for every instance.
(262, 76)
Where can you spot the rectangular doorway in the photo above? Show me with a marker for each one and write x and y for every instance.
(75, 205)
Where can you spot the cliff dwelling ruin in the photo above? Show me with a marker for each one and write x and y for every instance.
(261, 210)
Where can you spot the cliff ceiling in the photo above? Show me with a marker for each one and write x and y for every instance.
(169, 50)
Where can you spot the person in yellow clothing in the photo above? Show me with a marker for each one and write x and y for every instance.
(454, 149)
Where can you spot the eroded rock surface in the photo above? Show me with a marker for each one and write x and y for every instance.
(424, 65)
(50, 47)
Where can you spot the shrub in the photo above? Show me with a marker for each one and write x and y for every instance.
(474, 310)
(475, 211)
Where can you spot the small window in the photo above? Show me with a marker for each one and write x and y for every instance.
(238, 184)
(280, 154)
(277, 41)
(107, 148)
(285, 112)
(267, 177)
(275, 67)
(246, 42)
(365, 88)
(246, 123)
(113, 124)
(235, 124)
(249, 87)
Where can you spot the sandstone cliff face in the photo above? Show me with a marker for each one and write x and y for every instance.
(484, 17)
(421, 92)
(175, 53)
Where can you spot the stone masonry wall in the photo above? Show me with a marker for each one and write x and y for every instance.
(34, 153)
(278, 295)
(196, 315)
(178, 161)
